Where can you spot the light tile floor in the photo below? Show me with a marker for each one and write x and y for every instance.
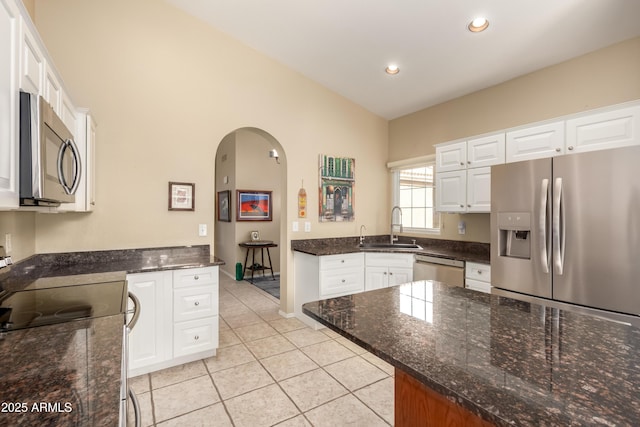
(269, 370)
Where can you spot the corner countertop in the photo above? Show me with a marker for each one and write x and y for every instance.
(509, 362)
(71, 268)
(451, 249)
(81, 358)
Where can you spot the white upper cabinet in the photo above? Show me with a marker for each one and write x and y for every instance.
(535, 142)
(53, 92)
(451, 191)
(450, 157)
(9, 35)
(610, 129)
(479, 190)
(486, 151)
(32, 63)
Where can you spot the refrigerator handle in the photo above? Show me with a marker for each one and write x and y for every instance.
(558, 236)
(542, 225)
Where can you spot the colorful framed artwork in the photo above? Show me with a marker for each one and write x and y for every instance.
(224, 205)
(182, 196)
(253, 205)
(337, 189)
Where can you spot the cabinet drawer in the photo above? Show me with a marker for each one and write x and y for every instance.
(342, 282)
(389, 260)
(194, 303)
(477, 271)
(195, 336)
(331, 262)
(195, 277)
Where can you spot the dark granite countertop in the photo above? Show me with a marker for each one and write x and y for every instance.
(66, 374)
(508, 361)
(452, 249)
(77, 362)
(64, 269)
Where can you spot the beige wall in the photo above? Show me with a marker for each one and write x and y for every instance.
(165, 90)
(604, 77)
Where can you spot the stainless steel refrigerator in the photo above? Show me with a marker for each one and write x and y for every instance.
(568, 229)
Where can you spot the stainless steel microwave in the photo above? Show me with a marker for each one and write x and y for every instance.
(50, 163)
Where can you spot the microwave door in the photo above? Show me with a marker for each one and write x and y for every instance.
(51, 151)
(69, 166)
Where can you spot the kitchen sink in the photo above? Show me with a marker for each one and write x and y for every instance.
(389, 246)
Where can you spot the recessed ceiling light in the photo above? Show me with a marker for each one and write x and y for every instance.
(478, 24)
(392, 69)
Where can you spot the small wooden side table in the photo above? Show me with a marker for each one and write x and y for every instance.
(252, 246)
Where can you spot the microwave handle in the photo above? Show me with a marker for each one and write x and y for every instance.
(77, 166)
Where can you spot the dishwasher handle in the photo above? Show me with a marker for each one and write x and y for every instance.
(427, 259)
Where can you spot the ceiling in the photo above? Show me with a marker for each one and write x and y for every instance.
(345, 45)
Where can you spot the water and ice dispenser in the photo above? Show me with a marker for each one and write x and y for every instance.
(515, 234)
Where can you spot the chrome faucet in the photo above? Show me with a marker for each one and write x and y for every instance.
(392, 237)
(362, 227)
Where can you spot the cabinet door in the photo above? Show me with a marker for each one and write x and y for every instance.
(451, 191)
(32, 63)
(611, 129)
(9, 34)
(376, 278)
(90, 164)
(451, 157)
(479, 190)
(535, 142)
(486, 151)
(52, 93)
(398, 276)
(150, 341)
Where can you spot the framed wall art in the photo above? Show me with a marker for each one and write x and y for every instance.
(337, 189)
(182, 196)
(253, 205)
(224, 206)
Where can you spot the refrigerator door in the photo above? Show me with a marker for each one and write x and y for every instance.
(598, 229)
(520, 227)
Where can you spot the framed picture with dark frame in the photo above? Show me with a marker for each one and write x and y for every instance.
(182, 196)
(224, 205)
(253, 205)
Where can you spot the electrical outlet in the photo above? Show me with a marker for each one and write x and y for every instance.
(462, 227)
(307, 226)
(202, 230)
(295, 226)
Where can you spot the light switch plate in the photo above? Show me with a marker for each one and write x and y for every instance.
(295, 226)
(202, 230)
(307, 226)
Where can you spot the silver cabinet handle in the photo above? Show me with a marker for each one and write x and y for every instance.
(196, 277)
(197, 337)
(542, 225)
(558, 150)
(571, 148)
(343, 280)
(342, 261)
(197, 303)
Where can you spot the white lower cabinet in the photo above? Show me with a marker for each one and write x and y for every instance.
(150, 338)
(178, 320)
(478, 277)
(328, 276)
(385, 269)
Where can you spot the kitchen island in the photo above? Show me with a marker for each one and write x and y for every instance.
(468, 358)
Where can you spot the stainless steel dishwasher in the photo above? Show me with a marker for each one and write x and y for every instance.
(449, 271)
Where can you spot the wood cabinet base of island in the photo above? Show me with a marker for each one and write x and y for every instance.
(418, 405)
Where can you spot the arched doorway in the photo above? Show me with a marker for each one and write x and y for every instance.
(245, 161)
